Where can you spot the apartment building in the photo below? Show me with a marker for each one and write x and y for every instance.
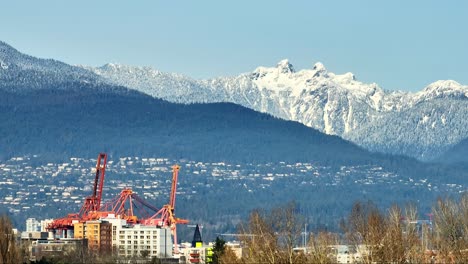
(114, 235)
(32, 225)
(98, 233)
(140, 240)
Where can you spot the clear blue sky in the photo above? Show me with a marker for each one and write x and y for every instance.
(402, 45)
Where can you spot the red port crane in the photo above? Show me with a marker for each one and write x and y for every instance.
(165, 217)
(93, 203)
(90, 208)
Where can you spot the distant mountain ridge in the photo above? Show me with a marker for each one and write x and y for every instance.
(422, 124)
(457, 153)
(27, 72)
(55, 109)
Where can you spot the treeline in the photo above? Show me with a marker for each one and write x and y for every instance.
(274, 236)
(391, 236)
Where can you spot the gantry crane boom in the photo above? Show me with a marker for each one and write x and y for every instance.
(175, 175)
(166, 217)
(93, 202)
(100, 174)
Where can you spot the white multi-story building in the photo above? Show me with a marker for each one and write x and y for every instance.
(32, 225)
(44, 223)
(138, 240)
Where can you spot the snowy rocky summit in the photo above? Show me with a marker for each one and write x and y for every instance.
(421, 124)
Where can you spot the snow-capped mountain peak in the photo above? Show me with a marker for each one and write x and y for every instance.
(285, 67)
(336, 104)
(319, 67)
(14, 66)
(442, 88)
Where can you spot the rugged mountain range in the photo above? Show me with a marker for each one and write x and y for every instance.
(422, 124)
(51, 108)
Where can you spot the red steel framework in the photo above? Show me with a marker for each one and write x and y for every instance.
(126, 204)
(93, 202)
(166, 217)
(123, 206)
(90, 209)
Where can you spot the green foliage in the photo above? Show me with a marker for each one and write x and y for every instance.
(218, 250)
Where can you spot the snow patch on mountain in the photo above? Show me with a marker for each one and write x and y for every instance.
(28, 72)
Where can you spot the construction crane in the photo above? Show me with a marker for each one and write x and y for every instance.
(165, 217)
(90, 209)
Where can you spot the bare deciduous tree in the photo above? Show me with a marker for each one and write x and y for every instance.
(365, 228)
(320, 246)
(9, 252)
(450, 232)
(269, 237)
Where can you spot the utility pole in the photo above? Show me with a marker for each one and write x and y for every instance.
(304, 238)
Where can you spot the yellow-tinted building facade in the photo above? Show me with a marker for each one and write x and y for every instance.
(98, 234)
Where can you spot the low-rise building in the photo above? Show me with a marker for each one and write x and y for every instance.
(56, 248)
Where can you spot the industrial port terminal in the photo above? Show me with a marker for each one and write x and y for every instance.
(125, 226)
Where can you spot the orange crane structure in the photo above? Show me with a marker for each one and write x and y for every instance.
(126, 204)
(91, 207)
(165, 217)
(122, 206)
